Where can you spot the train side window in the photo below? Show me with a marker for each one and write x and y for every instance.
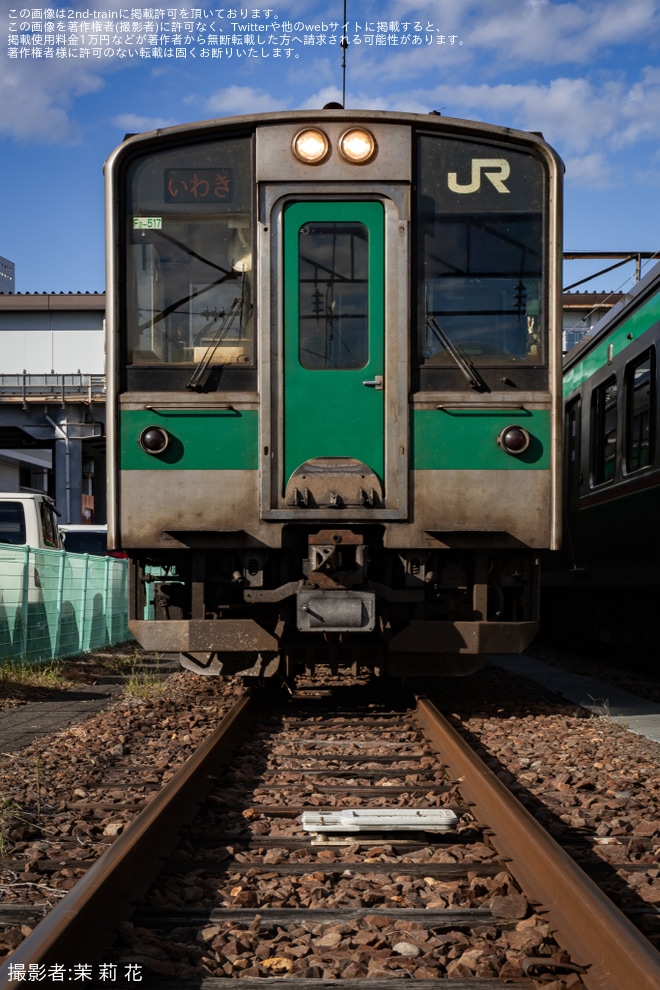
(604, 431)
(572, 426)
(640, 406)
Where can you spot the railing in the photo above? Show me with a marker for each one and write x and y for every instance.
(63, 388)
(55, 604)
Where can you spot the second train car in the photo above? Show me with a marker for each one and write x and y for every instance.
(603, 588)
(334, 370)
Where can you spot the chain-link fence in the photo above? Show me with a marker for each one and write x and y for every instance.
(55, 604)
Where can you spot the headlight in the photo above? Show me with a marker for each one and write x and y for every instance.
(357, 146)
(311, 146)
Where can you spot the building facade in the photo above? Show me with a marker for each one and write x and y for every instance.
(7, 275)
(52, 400)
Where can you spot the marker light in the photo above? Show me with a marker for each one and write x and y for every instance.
(311, 146)
(514, 440)
(154, 440)
(357, 146)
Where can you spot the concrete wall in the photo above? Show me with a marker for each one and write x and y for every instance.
(48, 333)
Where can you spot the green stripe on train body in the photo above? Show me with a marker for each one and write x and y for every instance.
(457, 439)
(200, 440)
(618, 339)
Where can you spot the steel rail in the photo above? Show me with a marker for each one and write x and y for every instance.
(85, 921)
(585, 921)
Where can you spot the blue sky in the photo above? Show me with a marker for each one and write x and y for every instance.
(586, 73)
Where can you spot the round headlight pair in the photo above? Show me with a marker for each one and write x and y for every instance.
(312, 146)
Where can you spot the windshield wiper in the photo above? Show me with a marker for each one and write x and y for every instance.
(195, 383)
(469, 371)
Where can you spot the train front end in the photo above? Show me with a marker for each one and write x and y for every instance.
(333, 348)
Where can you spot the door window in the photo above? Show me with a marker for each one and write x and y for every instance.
(333, 295)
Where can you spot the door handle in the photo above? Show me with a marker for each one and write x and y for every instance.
(376, 382)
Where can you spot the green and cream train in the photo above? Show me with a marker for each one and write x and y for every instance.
(335, 383)
(604, 586)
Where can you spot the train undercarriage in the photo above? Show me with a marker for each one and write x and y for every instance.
(334, 596)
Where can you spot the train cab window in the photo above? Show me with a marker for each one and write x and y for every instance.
(640, 405)
(333, 295)
(605, 430)
(189, 295)
(480, 258)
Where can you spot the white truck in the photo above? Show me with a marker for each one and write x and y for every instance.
(29, 520)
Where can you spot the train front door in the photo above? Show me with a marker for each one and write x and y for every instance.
(334, 354)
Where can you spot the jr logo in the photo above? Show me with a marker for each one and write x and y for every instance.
(496, 171)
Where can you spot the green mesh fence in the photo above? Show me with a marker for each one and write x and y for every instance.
(55, 604)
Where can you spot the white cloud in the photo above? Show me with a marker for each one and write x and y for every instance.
(640, 111)
(37, 99)
(593, 171)
(571, 111)
(133, 123)
(511, 41)
(317, 100)
(231, 100)
(536, 33)
(647, 170)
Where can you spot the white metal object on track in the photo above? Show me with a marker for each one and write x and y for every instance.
(380, 819)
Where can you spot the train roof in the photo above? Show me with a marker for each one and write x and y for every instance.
(433, 120)
(644, 290)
